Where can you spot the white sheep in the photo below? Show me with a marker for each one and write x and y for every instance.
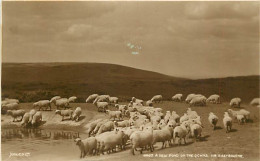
(189, 97)
(109, 140)
(8, 101)
(53, 99)
(64, 113)
(42, 103)
(198, 101)
(15, 114)
(167, 116)
(62, 103)
(240, 118)
(101, 98)
(215, 99)
(184, 118)
(91, 126)
(141, 139)
(213, 120)
(157, 98)
(37, 118)
(72, 99)
(227, 121)
(196, 130)
(255, 102)
(149, 103)
(114, 114)
(10, 106)
(86, 146)
(25, 119)
(177, 97)
(124, 123)
(91, 98)
(175, 117)
(31, 113)
(76, 114)
(235, 102)
(113, 99)
(107, 126)
(99, 124)
(240, 112)
(101, 106)
(163, 135)
(181, 132)
(138, 101)
(121, 108)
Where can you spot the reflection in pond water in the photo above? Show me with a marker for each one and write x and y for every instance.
(40, 143)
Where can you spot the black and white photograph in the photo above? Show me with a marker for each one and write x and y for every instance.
(130, 80)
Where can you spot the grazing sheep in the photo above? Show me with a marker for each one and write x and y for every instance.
(86, 146)
(255, 102)
(157, 98)
(42, 103)
(107, 126)
(215, 99)
(31, 113)
(213, 120)
(177, 97)
(99, 124)
(114, 114)
(141, 139)
(113, 100)
(167, 116)
(102, 106)
(235, 102)
(64, 113)
(189, 97)
(149, 103)
(53, 99)
(198, 101)
(15, 114)
(62, 103)
(101, 98)
(91, 98)
(10, 106)
(72, 99)
(181, 132)
(37, 118)
(240, 119)
(227, 121)
(25, 119)
(92, 125)
(76, 114)
(240, 112)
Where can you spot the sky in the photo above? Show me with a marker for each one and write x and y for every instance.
(181, 39)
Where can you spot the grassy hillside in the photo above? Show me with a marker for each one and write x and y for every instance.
(31, 82)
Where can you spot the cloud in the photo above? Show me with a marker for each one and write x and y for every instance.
(222, 10)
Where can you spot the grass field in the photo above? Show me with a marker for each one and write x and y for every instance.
(243, 140)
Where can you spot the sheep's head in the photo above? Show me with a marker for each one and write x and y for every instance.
(133, 99)
(211, 113)
(117, 106)
(78, 141)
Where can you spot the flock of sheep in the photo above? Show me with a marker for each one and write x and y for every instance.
(139, 123)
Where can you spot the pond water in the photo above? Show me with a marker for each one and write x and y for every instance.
(39, 144)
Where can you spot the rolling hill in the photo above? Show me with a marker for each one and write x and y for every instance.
(34, 81)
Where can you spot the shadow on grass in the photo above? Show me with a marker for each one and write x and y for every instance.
(82, 118)
(204, 138)
(218, 128)
(233, 130)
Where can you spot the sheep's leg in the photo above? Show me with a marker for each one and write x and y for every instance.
(62, 118)
(184, 140)
(162, 144)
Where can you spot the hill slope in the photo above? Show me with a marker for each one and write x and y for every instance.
(31, 82)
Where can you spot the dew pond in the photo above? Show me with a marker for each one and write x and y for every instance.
(39, 144)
